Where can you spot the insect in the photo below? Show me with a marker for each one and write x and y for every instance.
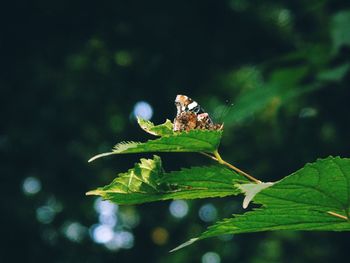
(190, 115)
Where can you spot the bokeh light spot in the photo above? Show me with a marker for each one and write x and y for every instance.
(283, 17)
(101, 233)
(178, 208)
(105, 207)
(54, 204)
(160, 236)
(109, 220)
(308, 112)
(74, 231)
(129, 217)
(31, 186)
(207, 213)
(121, 239)
(143, 110)
(123, 58)
(107, 212)
(45, 214)
(211, 257)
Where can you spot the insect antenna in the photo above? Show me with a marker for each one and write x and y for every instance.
(222, 111)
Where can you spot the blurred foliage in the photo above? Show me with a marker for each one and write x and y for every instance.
(72, 73)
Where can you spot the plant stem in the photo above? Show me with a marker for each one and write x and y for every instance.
(337, 215)
(218, 158)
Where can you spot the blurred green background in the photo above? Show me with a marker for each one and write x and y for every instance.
(75, 73)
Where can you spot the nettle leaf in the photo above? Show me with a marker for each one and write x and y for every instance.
(164, 129)
(148, 182)
(192, 141)
(316, 197)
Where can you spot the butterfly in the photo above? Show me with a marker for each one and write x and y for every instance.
(190, 115)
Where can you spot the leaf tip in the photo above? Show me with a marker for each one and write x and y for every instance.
(187, 243)
(92, 159)
(99, 156)
(93, 192)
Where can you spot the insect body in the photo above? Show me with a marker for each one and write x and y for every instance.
(190, 115)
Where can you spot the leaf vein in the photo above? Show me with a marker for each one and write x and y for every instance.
(317, 190)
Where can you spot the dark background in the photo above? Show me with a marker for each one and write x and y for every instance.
(72, 72)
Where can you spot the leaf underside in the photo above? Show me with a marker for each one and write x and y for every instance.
(147, 182)
(164, 129)
(316, 197)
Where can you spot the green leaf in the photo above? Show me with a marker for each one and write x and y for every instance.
(317, 197)
(148, 182)
(258, 99)
(335, 74)
(192, 141)
(159, 130)
(282, 85)
(340, 30)
(288, 76)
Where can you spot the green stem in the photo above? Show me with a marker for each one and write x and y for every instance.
(220, 160)
(337, 215)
